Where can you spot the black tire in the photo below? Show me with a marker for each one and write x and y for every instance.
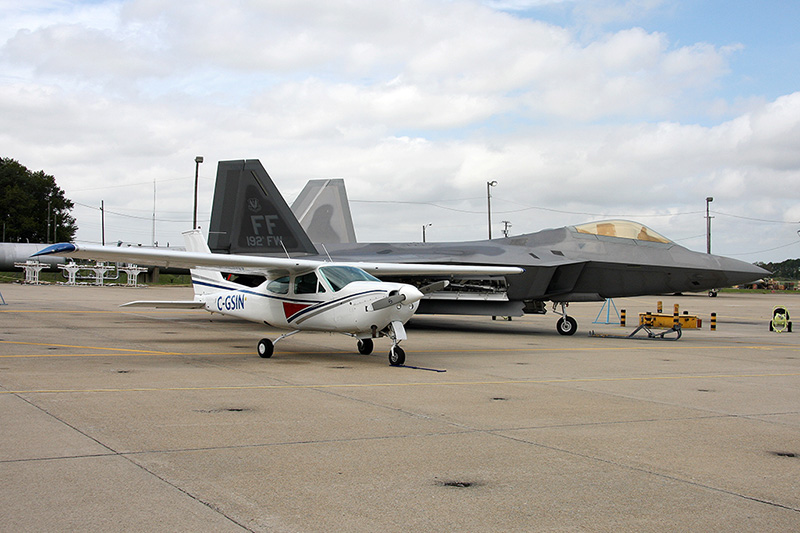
(365, 346)
(771, 327)
(567, 325)
(265, 348)
(789, 327)
(397, 357)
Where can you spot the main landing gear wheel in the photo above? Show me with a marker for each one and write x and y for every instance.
(365, 346)
(265, 348)
(397, 356)
(567, 325)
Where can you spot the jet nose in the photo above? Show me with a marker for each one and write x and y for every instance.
(738, 272)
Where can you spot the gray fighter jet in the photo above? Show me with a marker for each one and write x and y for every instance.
(587, 262)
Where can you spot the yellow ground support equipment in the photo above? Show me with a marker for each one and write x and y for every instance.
(663, 320)
(780, 320)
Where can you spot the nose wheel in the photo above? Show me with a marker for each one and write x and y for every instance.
(397, 357)
(566, 325)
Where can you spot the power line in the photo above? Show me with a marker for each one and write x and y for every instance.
(768, 249)
(125, 215)
(134, 184)
(754, 219)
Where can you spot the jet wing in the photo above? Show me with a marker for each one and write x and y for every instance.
(247, 264)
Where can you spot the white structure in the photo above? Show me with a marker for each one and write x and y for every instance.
(72, 269)
(133, 272)
(99, 270)
(32, 269)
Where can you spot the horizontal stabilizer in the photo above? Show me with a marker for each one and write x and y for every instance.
(175, 304)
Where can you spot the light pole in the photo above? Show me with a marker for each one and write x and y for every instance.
(197, 161)
(424, 227)
(709, 199)
(489, 185)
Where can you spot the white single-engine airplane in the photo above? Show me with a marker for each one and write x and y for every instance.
(292, 293)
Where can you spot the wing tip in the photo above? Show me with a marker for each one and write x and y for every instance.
(61, 247)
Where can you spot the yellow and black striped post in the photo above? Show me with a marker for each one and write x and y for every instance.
(675, 318)
(622, 318)
(713, 321)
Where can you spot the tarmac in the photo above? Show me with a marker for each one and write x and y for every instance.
(117, 419)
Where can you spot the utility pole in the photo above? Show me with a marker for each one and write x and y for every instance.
(48, 222)
(489, 185)
(154, 212)
(103, 222)
(197, 161)
(709, 199)
(424, 227)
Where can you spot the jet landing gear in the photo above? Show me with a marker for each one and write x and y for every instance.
(566, 325)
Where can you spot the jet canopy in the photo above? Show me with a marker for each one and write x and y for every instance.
(625, 229)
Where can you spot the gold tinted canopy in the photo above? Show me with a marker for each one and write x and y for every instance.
(625, 229)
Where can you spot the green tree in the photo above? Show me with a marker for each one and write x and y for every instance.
(27, 200)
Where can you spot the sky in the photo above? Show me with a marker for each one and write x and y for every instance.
(580, 110)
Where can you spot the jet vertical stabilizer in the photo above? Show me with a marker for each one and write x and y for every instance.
(250, 216)
(324, 212)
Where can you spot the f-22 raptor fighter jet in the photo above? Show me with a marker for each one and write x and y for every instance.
(587, 262)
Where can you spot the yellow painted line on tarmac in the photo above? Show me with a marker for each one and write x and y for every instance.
(129, 352)
(124, 351)
(394, 385)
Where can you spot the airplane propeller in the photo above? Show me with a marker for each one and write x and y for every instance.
(396, 297)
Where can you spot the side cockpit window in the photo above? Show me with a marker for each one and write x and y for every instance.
(279, 286)
(307, 284)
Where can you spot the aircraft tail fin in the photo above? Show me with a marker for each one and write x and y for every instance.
(324, 212)
(249, 215)
(204, 281)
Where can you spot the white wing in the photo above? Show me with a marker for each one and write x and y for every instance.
(247, 264)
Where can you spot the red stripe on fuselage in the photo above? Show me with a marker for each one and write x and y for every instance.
(290, 309)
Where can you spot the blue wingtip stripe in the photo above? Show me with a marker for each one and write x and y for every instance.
(61, 247)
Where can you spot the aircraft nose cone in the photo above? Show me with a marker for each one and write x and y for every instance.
(738, 272)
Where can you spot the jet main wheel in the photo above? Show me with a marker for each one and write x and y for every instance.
(265, 348)
(567, 325)
(365, 346)
(397, 356)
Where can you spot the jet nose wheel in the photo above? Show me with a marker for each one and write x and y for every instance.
(567, 325)
(265, 348)
(365, 346)
(397, 356)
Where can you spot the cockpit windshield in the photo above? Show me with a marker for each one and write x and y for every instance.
(339, 276)
(621, 228)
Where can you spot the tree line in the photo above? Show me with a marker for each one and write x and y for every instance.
(32, 207)
(789, 269)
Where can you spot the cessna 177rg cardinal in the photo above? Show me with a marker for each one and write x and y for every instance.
(295, 294)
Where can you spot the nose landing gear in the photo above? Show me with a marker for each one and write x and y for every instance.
(566, 325)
